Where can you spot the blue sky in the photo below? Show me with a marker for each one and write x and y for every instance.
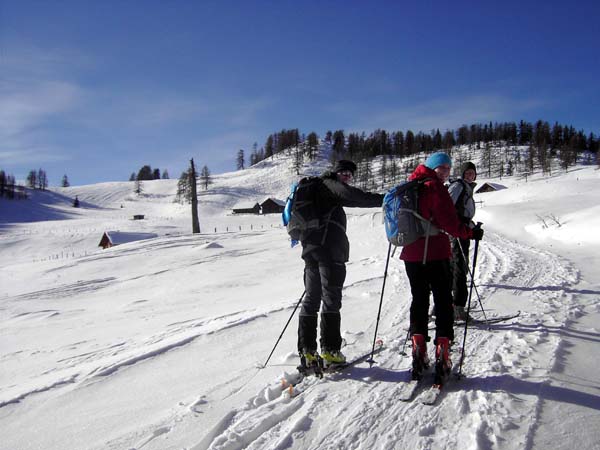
(96, 89)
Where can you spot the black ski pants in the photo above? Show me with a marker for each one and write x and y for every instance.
(323, 282)
(460, 269)
(432, 277)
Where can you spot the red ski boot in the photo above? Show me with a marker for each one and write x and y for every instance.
(419, 353)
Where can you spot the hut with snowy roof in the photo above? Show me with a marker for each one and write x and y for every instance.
(489, 187)
(272, 206)
(112, 238)
(248, 210)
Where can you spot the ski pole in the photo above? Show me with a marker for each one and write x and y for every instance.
(403, 351)
(462, 355)
(284, 328)
(387, 262)
(466, 261)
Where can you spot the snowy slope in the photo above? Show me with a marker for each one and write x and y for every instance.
(155, 344)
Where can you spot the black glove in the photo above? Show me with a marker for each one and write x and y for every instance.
(477, 233)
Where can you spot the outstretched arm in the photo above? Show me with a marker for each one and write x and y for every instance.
(353, 197)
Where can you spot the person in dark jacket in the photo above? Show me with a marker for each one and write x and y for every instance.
(427, 263)
(325, 253)
(461, 192)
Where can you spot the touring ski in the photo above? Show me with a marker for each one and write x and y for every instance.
(320, 371)
(490, 320)
(431, 394)
(410, 389)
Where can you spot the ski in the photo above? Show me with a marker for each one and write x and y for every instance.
(491, 320)
(410, 389)
(356, 360)
(320, 371)
(429, 396)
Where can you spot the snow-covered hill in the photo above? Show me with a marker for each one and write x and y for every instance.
(155, 344)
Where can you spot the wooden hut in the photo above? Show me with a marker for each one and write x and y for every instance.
(253, 210)
(112, 238)
(489, 187)
(272, 206)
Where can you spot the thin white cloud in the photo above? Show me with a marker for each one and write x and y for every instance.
(32, 156)
(25, 106)
(24, 62)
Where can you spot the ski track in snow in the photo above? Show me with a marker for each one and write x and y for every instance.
(504, 370)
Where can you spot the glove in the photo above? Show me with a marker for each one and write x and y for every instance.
(477, 233)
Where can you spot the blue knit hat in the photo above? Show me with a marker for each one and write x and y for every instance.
(437, 159)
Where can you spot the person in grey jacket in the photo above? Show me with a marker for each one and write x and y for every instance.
(461, 192)
(325, 253)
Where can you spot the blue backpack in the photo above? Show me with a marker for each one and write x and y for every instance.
(403, 223)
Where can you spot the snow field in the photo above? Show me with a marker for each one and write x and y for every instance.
(155, 344)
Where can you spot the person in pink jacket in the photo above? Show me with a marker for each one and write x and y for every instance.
(427, 263)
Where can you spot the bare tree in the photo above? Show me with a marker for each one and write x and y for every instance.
(195, 221)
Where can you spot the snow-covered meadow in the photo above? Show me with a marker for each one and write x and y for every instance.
(155, 344)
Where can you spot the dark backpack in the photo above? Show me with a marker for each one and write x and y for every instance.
(301, 215)
(403, 223)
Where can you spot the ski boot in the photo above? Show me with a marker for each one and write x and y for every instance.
(310, 363)
(460, 315)
(443, 364)
(420, 361)
(332, 359)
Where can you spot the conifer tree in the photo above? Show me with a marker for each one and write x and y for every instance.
(269, 147)
(312, 145)
(240, 160)
(409, 142)
(183, 194)
(339, 143)
(138, 187)
(205, 177)
(65, 181)
(145, 173)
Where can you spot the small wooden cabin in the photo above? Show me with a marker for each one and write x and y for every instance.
(253, 210)
(272, 206)
(112, 238)
(489, 187)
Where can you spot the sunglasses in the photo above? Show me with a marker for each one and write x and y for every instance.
(346, 173)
